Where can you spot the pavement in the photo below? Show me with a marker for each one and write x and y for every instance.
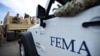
(9, 49)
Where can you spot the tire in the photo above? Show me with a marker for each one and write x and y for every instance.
(26, 42)
(22, 50)
(10, 36)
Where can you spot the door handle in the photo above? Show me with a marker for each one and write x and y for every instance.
(92, 23)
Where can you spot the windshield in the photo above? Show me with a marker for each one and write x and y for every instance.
(54, 7)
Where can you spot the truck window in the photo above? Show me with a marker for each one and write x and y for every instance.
(54, 7)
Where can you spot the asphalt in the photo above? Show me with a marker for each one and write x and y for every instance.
(9, 49)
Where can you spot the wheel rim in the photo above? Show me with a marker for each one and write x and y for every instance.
(22, 50)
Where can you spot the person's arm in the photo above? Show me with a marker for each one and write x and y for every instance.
(74, 7)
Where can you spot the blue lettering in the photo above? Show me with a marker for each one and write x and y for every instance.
(67, 46)
(52, 41)
(58, 42)
(61, 43)
(86, 49)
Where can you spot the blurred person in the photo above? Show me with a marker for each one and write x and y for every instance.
(16, 19)
(75, 6)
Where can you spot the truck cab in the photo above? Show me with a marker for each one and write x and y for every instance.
(63, 36)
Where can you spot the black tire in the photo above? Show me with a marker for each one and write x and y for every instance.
(27, 41)
(10, 36)
(22, 49)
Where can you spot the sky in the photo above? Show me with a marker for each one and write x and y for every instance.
(3, 11)
(20, 6)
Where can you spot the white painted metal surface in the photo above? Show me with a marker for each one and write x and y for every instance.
(65, 36)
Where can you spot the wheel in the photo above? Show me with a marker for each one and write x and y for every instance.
(22, 49)
(10, 36)
(26, 45)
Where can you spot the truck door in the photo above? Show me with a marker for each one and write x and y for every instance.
(71, 36)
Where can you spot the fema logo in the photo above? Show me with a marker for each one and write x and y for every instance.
(62, 44)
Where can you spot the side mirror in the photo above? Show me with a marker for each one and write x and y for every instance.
(41, 12)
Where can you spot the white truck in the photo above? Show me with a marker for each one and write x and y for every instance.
(63, 36)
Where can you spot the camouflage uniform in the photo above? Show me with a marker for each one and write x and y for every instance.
(75, 6)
